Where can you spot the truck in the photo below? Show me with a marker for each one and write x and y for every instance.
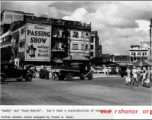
(75, 70)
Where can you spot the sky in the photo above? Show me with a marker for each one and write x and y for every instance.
(119, 23)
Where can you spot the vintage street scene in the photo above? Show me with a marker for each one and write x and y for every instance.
(76, 53)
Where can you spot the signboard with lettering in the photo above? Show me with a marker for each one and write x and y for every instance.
(38, 43)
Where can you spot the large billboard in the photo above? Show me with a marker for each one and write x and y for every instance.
(38, 42)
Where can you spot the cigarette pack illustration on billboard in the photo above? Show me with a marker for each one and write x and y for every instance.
(38, 43)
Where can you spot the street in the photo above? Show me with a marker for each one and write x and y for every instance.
(99, 91)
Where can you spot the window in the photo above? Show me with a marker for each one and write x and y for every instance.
(87, 34)
(82, 36)
(92, 39)
(145, 53)
(139, 53)
(75, 34)
(75, 46)
(92, 47)
(91, 53)
(86, 47)
(82, 46)
(132, 53)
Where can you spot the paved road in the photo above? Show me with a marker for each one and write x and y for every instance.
(100, 91)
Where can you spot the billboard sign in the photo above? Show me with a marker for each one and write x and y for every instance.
(38, 43)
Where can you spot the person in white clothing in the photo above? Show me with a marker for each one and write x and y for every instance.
(148, 76)
(128, 77)
(135, 78)
(143, 76)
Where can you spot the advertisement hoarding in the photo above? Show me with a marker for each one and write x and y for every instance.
(38, 43)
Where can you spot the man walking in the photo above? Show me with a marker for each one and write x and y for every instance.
(148, 76)
(135, 78)
(143, 76)
(128, 77)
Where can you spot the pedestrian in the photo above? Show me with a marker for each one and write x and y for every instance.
(148, 76)
(128, 77)
(143, 76)
(135, 78)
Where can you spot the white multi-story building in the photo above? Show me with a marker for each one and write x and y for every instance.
(95, 48)
(80, 43)
(138, 52)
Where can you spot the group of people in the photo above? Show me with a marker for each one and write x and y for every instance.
(141, 74)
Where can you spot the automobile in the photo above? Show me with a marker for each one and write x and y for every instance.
(10, 70)
(75, 70)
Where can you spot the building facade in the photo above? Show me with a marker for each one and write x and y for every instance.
(121, 59)
(95, 48)
(138, 52)
(65, 37)
(80, 41)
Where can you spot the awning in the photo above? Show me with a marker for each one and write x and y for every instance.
(5, 34)
(7, 45)
(141, 63)
(76, 57)
(148, 62)
(58, 61)
(109, 63)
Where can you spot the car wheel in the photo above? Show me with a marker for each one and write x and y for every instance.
(2, 78)
(90, 76)
(29, 78)
(70, 76)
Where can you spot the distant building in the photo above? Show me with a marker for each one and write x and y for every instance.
(121, 59)
(66, 37)
(10, 16)
(138, 52)
(95, 48)
(79, 38)
(106, 57)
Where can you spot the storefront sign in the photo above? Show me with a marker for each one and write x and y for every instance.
(38, 43)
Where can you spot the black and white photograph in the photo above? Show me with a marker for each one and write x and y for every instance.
(111, 65)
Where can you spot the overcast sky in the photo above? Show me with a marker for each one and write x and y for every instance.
(119, 24)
